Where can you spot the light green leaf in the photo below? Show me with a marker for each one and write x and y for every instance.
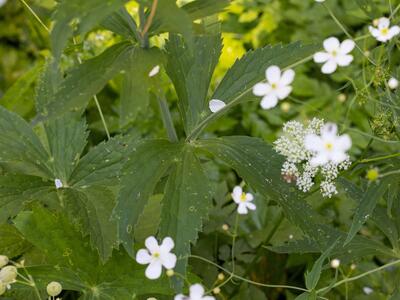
(191, 72)
(122, 23)
(149, 221)
(147, 163)
(250, 69)
(87, 79)
(203, 8)
(20, 148)
(12, 243)
(82, 14)
(187, 200)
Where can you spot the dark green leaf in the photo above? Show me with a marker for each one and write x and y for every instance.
(146, 165)
(12, 243)
(203, 8)
(122, 23)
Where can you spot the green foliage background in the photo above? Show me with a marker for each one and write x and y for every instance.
(71, 236)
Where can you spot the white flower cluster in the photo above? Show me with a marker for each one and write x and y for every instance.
(8, 274)
(300, 166)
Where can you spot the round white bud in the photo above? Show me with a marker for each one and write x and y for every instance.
(225, 227)
(335, 263)
(3, 260)
(216, 290)
(170, 273)
(8, 274)
(393, 83)
(221, 276)
(54, 288)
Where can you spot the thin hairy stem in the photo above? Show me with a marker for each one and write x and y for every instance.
(149, 20)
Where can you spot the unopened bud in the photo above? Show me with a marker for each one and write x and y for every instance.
(54, 288)
(3, 260)
(372, 174)
(216, 291)
(393, 83)
(353, 267)
(285, 106)
(225, 227)
(8, 274)
(335, 263)
(221, 276)
(170, 273)
(342, 98)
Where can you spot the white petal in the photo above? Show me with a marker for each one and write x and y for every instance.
(208, 298)
(319, 160)
(329, 131)
(58, 183)
(216, 105)
(347, 46)
(331, 44)
(261, 89)
(321, 57)
(180, 297)
(143, 257)
(196, 291)
(383, 23)
(313, 142)
(344, 60)
(167, 244)
(251, 206)
(273, 74)
(329, 67)
(168, 260)
(287, 77)
(153, 271)
(344, 142)
(395, 30)
(242, 208)
(152, 244)
(338, 157)
(237, 193)
(269, 101)
(375, 32)
(249, 197)
(283, 92)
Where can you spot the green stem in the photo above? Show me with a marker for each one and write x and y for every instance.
(200, 127)
(389, 173)
(35, 15)
(359, 276)
(379, 158)
(167, 119)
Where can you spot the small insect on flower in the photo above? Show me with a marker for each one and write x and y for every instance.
(154, 71)
(393, 83)
(382, 31)
(54, 288)
(335, 54)
(3, 260)
(276, 88)
(156, 256)
(216, 105)
(328, 146)
(243, 200)
(196, 292)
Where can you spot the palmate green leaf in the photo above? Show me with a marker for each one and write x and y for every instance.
(91, 207)
(250, 69)
(136, 83)
(87, 79)
(20, 149)
(122, 23)
(367, 202)
(191, 72)
(82, 14)
(12, 243)
(260, 166)
(75, 265)
(186, 203)
(386, 224)
(147, 163)
(203, 8)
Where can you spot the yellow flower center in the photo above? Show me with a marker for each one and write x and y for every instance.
(156, 255)
(274, 86)
(243, 197)
(329, 146)
(384, 31)
(373, 174)
(334, 53)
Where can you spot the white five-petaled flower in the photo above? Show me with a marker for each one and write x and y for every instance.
(276, 88)
(335, 54)
(216, 105)
(327, 147)
(156, 256)
(243, 200)
(196, 292)
(383, 32)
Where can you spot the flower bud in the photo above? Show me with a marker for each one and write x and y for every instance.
(170, 273)
(2, 288)
(393, 83)
(216, 291)
(3, 260)
(8, 274)
(372, 174)
(54, 288)
(335, 263)
(221, 276)
(225, 227)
